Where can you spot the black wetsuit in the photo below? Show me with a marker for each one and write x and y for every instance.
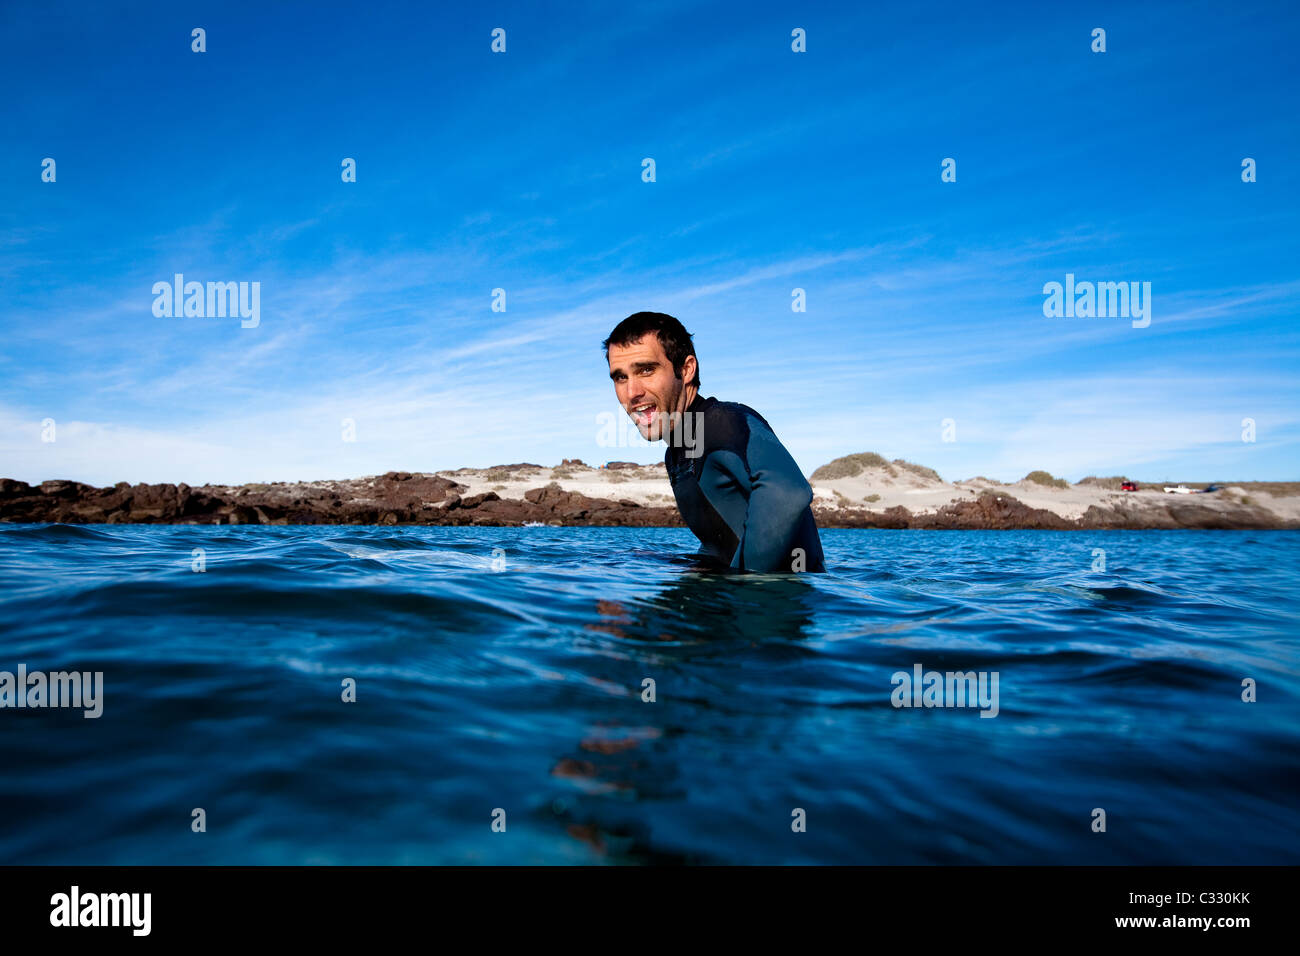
(740, 492)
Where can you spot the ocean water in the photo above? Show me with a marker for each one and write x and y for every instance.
(500, 675)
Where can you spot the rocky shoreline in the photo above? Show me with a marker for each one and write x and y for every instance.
(405, 498)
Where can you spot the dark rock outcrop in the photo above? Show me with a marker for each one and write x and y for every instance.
(400, 497)
(999, 512)
(1181, 513)
(988, 512)
(397, 497)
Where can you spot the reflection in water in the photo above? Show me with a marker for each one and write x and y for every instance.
(632, 762)
(700, 607)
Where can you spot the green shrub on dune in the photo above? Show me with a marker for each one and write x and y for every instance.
(850, 466)
(1111, 483)
(1045, 478)
(920, 470)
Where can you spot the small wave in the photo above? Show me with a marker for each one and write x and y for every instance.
(414, 555)
(1131, 595)
(55, 532)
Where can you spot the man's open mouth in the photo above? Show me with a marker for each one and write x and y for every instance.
(643, 414)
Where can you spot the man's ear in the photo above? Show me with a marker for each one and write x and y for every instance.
(689, 367)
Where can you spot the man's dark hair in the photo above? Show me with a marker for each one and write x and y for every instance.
(674, 338)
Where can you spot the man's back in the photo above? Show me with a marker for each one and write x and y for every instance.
(742, 494)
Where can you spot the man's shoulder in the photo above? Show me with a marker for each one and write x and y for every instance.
(726, 426)
(733, 415)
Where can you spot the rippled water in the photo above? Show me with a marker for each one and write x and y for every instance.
(512, 679)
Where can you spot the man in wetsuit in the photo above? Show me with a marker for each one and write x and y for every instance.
(736, 486)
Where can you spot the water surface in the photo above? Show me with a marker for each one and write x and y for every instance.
(503, 669)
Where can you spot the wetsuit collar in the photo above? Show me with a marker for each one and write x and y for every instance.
(675, 452)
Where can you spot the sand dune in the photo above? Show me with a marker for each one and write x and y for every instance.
(872, 485)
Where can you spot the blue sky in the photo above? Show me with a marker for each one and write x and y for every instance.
(522, 171)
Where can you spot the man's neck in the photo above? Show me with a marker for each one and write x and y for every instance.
(677, 421)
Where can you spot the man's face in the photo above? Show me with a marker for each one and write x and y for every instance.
(646, 386)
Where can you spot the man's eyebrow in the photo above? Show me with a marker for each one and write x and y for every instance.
(636, 366)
